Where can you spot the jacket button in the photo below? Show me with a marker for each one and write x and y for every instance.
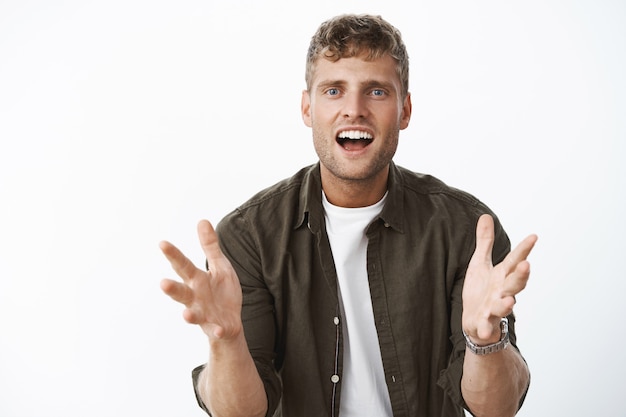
(334, 379)
(336, 321)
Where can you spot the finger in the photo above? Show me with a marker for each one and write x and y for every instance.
(484, 330)
(180, 263)
(210, 243)
(516, 281)
(519, 254)
(485, 236)
(184, 295)
(195, 316)
(177, 291)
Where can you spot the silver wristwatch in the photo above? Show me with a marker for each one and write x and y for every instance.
(494, 347)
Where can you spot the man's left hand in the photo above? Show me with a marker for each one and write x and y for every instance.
(489, 291)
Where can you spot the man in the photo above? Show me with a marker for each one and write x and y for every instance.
(356, 287)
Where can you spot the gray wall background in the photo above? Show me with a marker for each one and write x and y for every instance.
(123, 123)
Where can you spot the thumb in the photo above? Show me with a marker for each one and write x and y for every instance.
(485, 236)
(209, 242)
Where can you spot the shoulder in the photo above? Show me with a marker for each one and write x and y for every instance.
(288, 188)
(425, 201)
(426, 186)
(279, 205)
(417, 193)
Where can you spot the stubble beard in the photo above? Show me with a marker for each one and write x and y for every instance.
(354, 171)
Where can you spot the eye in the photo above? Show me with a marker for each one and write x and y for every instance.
(378, 92)
(332, 92)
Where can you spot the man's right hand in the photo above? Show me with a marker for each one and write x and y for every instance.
(212, 298)
(230, 383)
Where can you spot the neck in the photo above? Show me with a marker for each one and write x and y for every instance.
(355, 193)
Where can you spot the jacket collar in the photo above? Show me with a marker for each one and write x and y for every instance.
(311, 212)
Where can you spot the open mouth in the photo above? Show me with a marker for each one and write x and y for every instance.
(354, 139)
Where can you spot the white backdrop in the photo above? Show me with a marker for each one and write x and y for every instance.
(123, 123)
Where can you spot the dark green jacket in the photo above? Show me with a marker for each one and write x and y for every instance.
(418, 251)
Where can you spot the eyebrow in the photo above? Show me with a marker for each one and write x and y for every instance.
(330, 83)
(371, 83)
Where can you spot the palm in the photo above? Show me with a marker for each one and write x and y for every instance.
(489, 291)
(212, 298)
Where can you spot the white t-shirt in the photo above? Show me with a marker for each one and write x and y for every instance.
(364, 390)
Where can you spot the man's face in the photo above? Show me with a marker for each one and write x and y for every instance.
(355, 109)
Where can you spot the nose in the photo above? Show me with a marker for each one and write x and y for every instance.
(355, 106)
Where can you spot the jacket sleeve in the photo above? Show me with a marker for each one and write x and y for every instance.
(241, 248)
(450, 378)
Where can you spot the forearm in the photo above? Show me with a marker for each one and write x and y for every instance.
(493, 384)
(230, 385)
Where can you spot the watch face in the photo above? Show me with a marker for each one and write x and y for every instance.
(504, 325)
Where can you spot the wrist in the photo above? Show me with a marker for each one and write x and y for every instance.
(225, 335)
(490, 346)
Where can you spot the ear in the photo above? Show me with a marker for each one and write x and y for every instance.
(407, 108)
(305, 108)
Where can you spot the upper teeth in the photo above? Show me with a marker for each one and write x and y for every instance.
(354, 134)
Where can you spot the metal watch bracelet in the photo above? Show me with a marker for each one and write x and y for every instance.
(494, 347)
